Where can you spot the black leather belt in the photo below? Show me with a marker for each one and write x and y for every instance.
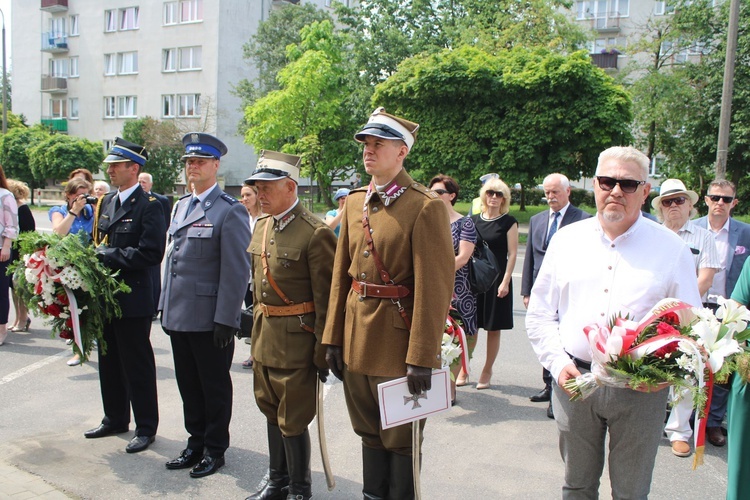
(586, 365)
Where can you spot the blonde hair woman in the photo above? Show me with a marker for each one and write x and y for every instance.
(495, 307)
(21, 193)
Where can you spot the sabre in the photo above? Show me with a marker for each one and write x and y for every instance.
(415, 451)
(330, 481)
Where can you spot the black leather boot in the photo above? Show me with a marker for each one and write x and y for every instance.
(375, 469)
(401, 482)
(298, 459)
(274, 484)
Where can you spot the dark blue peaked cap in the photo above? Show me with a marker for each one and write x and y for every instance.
(126, 151)
(200, 145)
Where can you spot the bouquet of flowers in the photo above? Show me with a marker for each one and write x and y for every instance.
(675, 344)
(61, 278)
(453, 345)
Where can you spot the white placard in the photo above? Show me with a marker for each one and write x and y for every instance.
(398, 406)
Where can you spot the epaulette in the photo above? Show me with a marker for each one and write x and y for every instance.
(424, 190)
(361, 189)
(185, 196)
(264, 216)
(311, 219)
(229, 199)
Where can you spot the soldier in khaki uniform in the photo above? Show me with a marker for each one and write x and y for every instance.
(369, 339)
(292, 259)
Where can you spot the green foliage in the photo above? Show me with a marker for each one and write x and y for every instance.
(522, 113)
(95, 295)
(14, 153)
(308, 114)
(57, 155)
(163, 141)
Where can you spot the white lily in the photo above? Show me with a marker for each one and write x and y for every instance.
(730, 311)
(708, 336)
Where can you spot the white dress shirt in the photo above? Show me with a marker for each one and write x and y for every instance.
(719, 284)
(586, 279)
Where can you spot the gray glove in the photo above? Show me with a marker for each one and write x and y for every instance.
(335, 360)
(223, 335)
(418, 378)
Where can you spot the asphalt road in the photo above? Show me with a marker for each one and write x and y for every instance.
(494, 444)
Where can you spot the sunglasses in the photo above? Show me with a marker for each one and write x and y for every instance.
(491, 192)
(627, 185)
(441, 191)
(680, 200)
(715, 198)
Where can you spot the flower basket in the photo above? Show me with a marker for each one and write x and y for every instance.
(62, 279)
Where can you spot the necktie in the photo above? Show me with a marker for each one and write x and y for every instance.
(193, 202)
(117, 204)
(552, 228)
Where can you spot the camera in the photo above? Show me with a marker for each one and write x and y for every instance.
(91, 200)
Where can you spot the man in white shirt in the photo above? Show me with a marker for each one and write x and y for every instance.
(617, 263)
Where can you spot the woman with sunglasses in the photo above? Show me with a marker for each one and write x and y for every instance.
(674, 206)
(495, 307)
(464, 238)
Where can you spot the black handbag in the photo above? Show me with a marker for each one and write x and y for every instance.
(483, 268)
(246, 323)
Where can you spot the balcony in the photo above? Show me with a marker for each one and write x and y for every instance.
(605, 61)
(56, 124)
(54, 84)
(605, 22)
(54, 5)
(54, 42)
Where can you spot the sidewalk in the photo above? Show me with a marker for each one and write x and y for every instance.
(15, 483)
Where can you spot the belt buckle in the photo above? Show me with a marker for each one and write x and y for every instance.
(363, 293)
(263, 309)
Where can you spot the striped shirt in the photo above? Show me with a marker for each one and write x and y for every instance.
(702, 246)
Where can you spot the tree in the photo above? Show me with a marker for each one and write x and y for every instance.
(57, 155)
(266, 50)
(14, 154)
(308, 114)
(522, 113)
(163, 141)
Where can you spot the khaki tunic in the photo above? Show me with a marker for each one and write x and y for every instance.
(412, 236)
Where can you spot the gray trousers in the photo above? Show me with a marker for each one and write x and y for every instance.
(635, 421)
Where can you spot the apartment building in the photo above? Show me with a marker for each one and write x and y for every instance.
(86, 66)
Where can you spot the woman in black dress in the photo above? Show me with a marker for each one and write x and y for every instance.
(500, 231)
(26, 223)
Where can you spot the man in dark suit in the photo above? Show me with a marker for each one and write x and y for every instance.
(205, 280)
(733, 242)
(130, 236)
(542, 227)
(147, 182)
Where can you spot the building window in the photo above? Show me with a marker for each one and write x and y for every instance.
(129, 18)
(107, 143)
(74, 67)
(189, 105)
(190, 58)
(620, 8)
(170, 13)
(127, 106)
(109, 107)
(127, 63)
(73, 101)
(110, 20)
(58, 68)
(57, 27)
(191, 11)
(167, 106)
(168, 60)
(57, 108)
(74, 25)
(110, 64)
(663, 7)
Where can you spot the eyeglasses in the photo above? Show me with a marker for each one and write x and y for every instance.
(627, 185)
(680, 200)
(441, 191)
(491, 192)
(715, 198)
